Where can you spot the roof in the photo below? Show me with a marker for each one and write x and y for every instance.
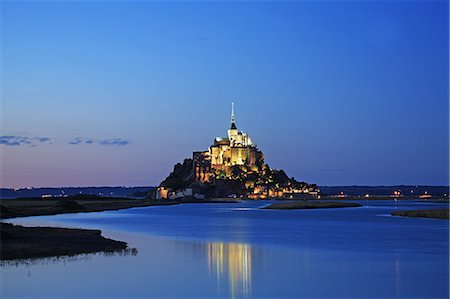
(233, 126)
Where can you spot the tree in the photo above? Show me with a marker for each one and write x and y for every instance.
(236, 172)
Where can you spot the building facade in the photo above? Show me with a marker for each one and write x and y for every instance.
(237, 149)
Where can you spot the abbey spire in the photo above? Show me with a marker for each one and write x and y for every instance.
(233, 125)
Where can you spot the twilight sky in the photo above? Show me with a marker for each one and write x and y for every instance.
(104, 93)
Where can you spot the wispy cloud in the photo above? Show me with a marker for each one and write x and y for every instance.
(17, 140)
(13, 140)
(104, 142)
(116, 141)
(42, 139)
(80, 140)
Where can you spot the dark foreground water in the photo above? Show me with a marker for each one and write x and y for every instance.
(238, 250)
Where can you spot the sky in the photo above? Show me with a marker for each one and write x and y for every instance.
(114, 93)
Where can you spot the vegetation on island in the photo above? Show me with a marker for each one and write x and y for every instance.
(237, 180)
(19, 242)
(295, 205)
(181, 176)
(435, 213)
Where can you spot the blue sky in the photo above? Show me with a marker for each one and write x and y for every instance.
(116, 92)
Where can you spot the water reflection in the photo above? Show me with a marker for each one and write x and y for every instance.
(234, 260)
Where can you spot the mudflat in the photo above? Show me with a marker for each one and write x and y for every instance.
(310, 205)
(21, 207)
(435, 213)
(19, 242)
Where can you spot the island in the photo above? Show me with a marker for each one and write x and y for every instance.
(233, 166)
(19, 242)
(296, 205)
(435, 213)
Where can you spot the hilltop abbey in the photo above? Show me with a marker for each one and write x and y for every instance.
(233, 166)
(235, 150)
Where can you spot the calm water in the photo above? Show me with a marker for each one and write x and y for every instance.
(238, 250)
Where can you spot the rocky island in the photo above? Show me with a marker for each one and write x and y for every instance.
(233, 166)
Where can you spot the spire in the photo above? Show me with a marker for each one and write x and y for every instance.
(233, 125)
(232, 112)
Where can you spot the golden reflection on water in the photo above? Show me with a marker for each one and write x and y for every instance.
(234, 260)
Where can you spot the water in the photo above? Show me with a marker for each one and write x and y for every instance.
(239, 251)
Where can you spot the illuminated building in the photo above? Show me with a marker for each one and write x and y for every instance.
(237, 149)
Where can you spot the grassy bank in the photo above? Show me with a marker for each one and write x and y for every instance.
(436, 213)
(19, 242)
(36, 206)
(21, 207)
(310, 205)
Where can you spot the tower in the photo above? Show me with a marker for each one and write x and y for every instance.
(233, 125)
(233, 131)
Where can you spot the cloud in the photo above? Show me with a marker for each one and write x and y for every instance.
(103, 142)
(75, 141)
(117, 142)
(13, 140)
(80, 140)
(42, 139)
(16, 140)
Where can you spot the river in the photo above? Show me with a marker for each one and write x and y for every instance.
(237, 250)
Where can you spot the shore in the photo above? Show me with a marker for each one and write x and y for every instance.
(436, 213)
(310, 205)
(22, 207)
(19, 242)
(437, 199)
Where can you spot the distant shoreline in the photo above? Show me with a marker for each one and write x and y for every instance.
(435, 199)
(298, 205)
(140, 192)
(36, 206)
